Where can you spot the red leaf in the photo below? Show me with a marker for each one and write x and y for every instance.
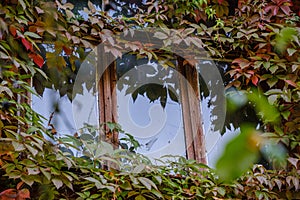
(27, 44)
(37, 59)
(241, 3)
(242, 62)
(13, 30)
(254, 80)
(264, 56)
(19, 185)
(9, 194)
(23, 194)
(67, 50)
(286, 10)
(197, 15)
(239, 60)
(272, 8)
(292, 83)
(275, 11)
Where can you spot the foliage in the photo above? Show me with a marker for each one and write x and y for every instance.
(270, 62)
(261, 40)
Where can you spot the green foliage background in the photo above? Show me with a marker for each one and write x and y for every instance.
(261, 41)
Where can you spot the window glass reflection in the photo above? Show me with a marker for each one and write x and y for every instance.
(151, 116)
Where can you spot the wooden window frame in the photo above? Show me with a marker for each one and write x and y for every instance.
(189, 97)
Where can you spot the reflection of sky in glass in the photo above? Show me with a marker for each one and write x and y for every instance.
(214, 142)
(158, 130)
(85, 109)
(137, 115)
(61, 106)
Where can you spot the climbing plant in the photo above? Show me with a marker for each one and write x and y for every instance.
(46, 40)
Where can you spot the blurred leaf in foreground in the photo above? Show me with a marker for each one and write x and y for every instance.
(263, 108)
(283, 39)
(239, 155)
(275, 153)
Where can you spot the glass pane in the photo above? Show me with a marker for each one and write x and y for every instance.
(147, 112)
(214, 120)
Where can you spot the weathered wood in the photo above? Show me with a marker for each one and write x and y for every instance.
(196, 114)
(113, 84)
(107, 96)
(191, 111)
(107, 100)
(190, 151)
(100, 89)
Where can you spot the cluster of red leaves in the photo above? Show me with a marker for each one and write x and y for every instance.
(243, 67)
(17, 31)
(15, 194)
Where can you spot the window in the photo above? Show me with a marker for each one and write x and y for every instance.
(156, 122)
(98, 101)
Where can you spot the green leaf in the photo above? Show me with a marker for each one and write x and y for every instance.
(87, 193)
(86, 137)
(68, 183)
(273, 69)
(32, 150)
(29, 180)
(18, 146)
(276, 154)
(157, 193)
(7, 90)
(286, 114)
(266, 65)
(139, 168)
(46, 173)
(15, 174)
(126, 185)
(239, 155)
(110, 188)
(291, 51)
(33, 35)
(9, 167)
(83, 196)
(268, 112)
(140, 197)
(57, 182)
(272, 81)
(284, 38)
(42, 73)
(22, 4)
(103, 148)
(33, 171)
(111, 126)
(95, 196)
(221, 191)
(274, 91)
(4, 56)
(55, 171)
(147, 183)
(92, 180)
(160, 35)
(159, 179)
